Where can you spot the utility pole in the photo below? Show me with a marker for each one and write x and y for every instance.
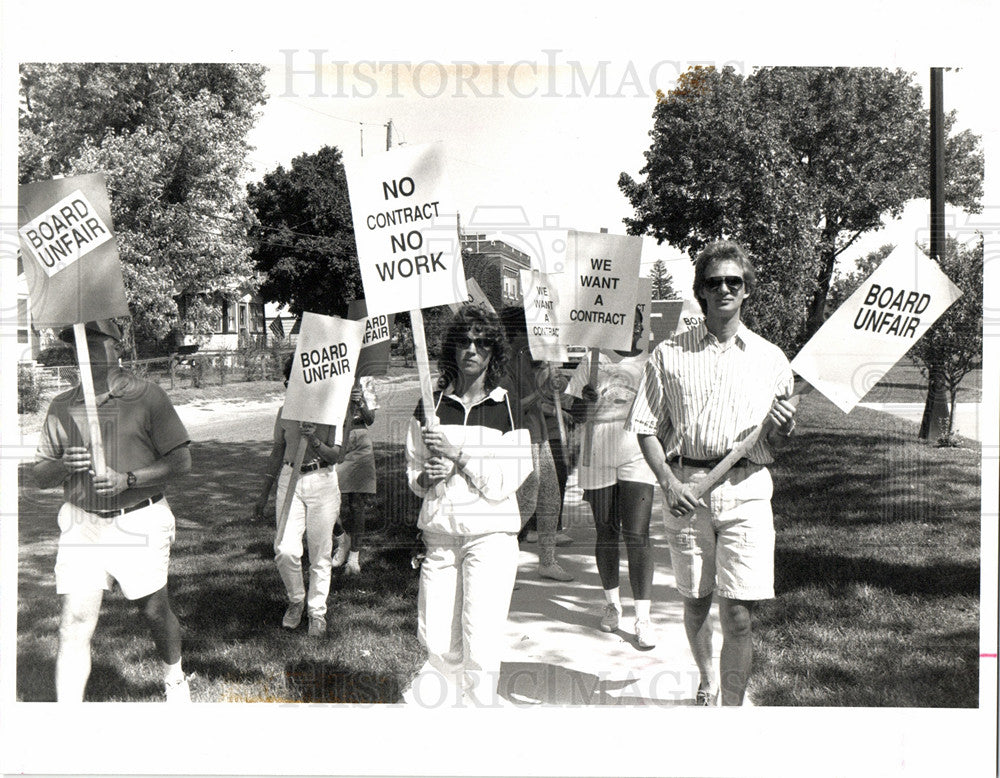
(936, 409)
(388, 135)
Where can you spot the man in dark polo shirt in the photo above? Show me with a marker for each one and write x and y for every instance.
(118, 525)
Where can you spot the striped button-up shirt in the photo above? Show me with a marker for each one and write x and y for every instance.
(701, 397)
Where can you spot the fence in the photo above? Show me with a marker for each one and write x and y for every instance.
(177, 372)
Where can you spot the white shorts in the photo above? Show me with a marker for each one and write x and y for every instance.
(615, 456)
(133, 549)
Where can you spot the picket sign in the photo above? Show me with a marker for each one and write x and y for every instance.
(319, 387)
(588, 427)
(894, 307)
(72, 269)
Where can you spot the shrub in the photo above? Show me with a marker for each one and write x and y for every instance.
(59, 354)
(29, 390)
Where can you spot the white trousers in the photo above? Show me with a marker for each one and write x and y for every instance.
(313, 513)
(465, 588)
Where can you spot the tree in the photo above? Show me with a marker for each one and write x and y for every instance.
(305, 238)
(953, 347)
(663, 282)
(171, 139)
(795, 164)
(846, 284)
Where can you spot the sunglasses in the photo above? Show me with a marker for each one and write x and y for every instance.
(735, 283)
(481, 344)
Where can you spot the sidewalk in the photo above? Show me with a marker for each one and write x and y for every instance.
(556, 652)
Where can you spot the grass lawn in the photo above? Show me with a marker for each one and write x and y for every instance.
(877, 568)
(877, 576)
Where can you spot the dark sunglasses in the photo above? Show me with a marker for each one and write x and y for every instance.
(735, 283)
(481, 344)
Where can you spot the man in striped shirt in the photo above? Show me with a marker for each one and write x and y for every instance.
(702, 393)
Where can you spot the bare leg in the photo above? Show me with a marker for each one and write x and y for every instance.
(602, 504)
(699, 635)
(737, 648)
(635, 502)
(80, 612)
(163, 625)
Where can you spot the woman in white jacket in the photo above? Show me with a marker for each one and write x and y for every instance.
(467, 465)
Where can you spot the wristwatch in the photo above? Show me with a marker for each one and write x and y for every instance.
(130, 479)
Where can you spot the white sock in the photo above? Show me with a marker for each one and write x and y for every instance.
(353, 557)
(172, 673)
(614, 597)
(642, 610)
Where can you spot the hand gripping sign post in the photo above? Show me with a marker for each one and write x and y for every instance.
(406, 234)
(865, 336)
(319, 387)
(72, 268)
(597, 297)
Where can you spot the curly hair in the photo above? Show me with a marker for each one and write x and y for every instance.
(721, 251)
(482, 323)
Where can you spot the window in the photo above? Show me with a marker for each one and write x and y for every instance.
(243, 317)
(229, 314)
(22, 320)
(256, 318)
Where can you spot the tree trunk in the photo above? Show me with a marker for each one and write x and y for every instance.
(828, 257)
(932, 425)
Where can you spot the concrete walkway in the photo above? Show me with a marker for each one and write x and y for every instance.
(968, 416)
(556, 652)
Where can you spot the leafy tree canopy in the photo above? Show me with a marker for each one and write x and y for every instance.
(795, 164)
(305, 238)
(171, 139)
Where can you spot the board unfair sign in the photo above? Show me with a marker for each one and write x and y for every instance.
(323, 369)
(71, 262)
(405, 229)
(875, 326)
(375, 346)
(597, 292)
(68, 230)
(540, 316)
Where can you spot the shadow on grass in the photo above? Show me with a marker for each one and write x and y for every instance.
(321, 681)
(228, 596)
(796, 569)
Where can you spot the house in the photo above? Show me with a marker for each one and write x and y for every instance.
(496, 266)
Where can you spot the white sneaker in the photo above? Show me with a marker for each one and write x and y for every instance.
(531, 536)
(645, 634)
(554, 571)
(611, 617)
(317, 626)
(293, 614)
(342, 549)
(562, 539)
(352, 568)
(178, 691)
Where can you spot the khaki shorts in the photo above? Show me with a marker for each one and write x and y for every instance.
(133, 549)
(727, 548)
(615, 456)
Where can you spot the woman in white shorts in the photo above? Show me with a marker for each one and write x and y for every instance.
(616, 481)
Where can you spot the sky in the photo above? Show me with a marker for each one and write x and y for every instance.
(552, 158)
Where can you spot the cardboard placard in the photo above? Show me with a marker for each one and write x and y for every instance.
(323, 370)
(691, 316)
(664, 320)
(377, 342)
(644, 309)
(875, 326)
(476, 297)
(71, 262)
(405, 229)
(541, 317)
(597, 293)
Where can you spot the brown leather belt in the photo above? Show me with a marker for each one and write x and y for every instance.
(308, 467)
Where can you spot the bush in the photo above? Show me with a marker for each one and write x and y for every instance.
(29, 390)
(59, 354)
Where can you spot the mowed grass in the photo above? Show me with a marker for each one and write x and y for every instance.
(230, 600)
(877, 568)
